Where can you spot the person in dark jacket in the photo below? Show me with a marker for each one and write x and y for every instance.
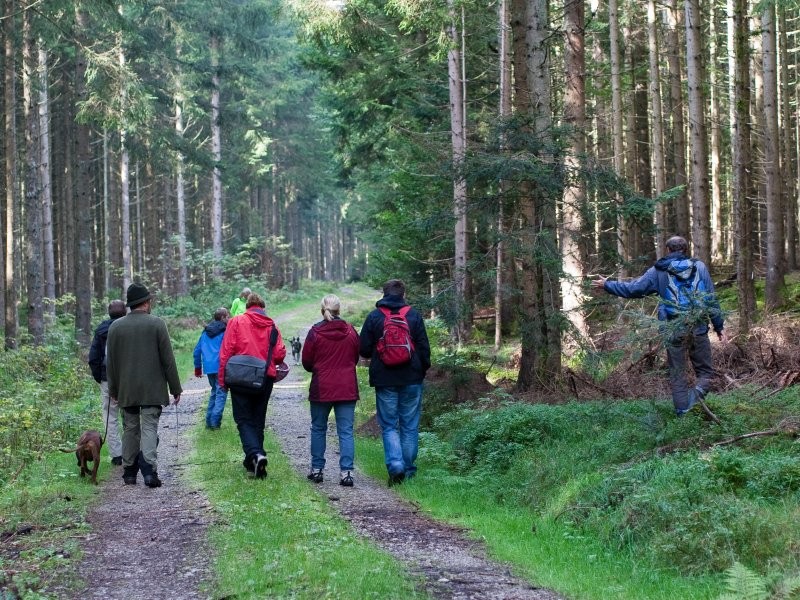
(330, 354)
(206, 358)
(686, 330)
(249, 334)
(97, 365)
(141, 375)
(398, 389)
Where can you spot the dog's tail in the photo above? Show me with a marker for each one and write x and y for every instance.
(75, 449)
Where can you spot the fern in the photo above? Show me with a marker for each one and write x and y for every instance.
(744, 584)
(790, 588)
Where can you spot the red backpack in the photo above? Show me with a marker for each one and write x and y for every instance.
(395, 346)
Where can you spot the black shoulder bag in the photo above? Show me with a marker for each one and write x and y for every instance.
(249, 373)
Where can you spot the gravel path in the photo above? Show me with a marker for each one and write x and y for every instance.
(151, 543)
(451, 565)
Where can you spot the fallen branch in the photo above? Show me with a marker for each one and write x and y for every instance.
(708, 412)
(596, 386)
(789, 425)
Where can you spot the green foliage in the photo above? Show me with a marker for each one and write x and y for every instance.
(744, 584)
(47, 399)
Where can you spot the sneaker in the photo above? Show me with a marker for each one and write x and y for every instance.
(396, 479)
(315, 475)
(346, 479)
(248, 465)
(152, 480)
(260, 466)
(116, 460)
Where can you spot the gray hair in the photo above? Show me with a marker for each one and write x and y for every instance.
(330, 307)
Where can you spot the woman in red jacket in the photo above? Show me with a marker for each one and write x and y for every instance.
(249, 333)
(330, 353)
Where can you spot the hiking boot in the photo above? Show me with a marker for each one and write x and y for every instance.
(260, 466)
(693, 398)
(315, 475)
(129, 475)
(248, 465)
(346, 479)
(152, 480)
(116, 461)
(396, 478)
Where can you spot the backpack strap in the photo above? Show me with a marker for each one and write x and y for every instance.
(402, 311)
(273, 339)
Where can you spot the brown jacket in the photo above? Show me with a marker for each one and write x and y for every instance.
(140, 364)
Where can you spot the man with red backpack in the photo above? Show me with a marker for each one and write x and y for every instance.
(394, 337)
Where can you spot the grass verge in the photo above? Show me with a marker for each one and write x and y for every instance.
(279, 538)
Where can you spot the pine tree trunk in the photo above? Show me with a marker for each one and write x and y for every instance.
(504, 68)
(216, 156)
(656, 126)
(10, 146)
(617, 131)
(701, 217)
(458, 142)
(787, 136)
(717, 220)
(775, 231)
(677, 143)
(47, 186)
(741, 166)
(34, 247)
(180, 193)
(82, 201)
(572, 253)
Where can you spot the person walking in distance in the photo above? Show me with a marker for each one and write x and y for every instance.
(97, 365)
(141, 371)
(249, 334)
(330, 354)
(688, 303)
(394, 338)
(206, 358)
(239, 303)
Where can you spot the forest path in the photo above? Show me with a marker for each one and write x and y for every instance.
(448, 563)
(152, 543)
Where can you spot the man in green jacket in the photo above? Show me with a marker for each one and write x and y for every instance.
(141, 368)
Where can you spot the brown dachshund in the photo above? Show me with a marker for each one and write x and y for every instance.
(88, 449)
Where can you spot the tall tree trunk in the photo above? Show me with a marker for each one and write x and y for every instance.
(741, 166)
(677, 133)
(701, 217)
(504, 35)
(617, 131)
(82, 159)
(180, 192)
(106, 217)
(572, 253)
(47, 186)
(125, 195)
(656, 126)
(717, 221)
(775, 231)
(34, 264)
(216, 156)
(540, 363)
(458, 141)
(10, 146)
(787, 136)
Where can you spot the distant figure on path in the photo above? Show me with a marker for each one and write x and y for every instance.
(141, 368)
(398, 386)
(97, 364)
(249, 334)
(206, 358)
(239, 304)
(330, 354)
(688, 302)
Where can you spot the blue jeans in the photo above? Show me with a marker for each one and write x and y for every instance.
(399, 408)
(216, 402)
(345, 413)
(249, 414)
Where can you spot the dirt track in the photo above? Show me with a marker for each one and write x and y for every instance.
(151, 543)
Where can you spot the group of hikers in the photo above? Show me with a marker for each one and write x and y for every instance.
(132, 359)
